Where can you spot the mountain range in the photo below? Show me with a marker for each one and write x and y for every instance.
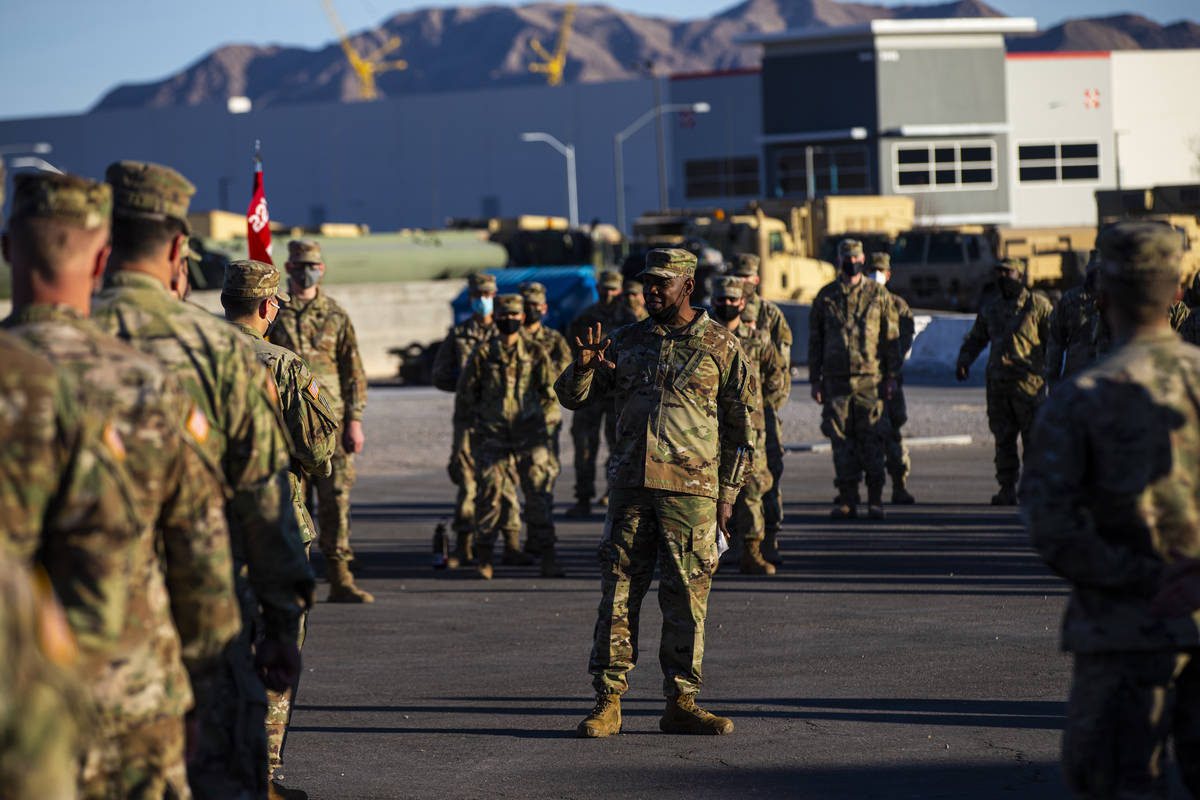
(472, 47)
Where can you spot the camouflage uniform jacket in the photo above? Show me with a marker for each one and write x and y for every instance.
(687, 398)
(1017, 330)
(506, 394)
(240, 429)
(853, 333)
(1177, 314)
(770, 319)
(1111, 490)
(1077, 336)
(1190, 329)
(906, 325)
(320, 332)
(554, 344)
(310, 419)
(772, 378)
(127, 590)
(610, 316)
(452, 356)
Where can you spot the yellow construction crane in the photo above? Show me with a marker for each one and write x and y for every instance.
(365, 68)
(553, 65)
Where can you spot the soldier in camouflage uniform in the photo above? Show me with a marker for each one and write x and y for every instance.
(1077, 336)
(895, 410)
(1110, 500)
(238, 427)
(1016, 323)
(452, 356)
(154, 594)
(685, 442)
(505, 398)
(768, 317)
(631, 294)
(773, 384)
(609, 313)
(853, 365)
(313, 326)
(43, 716)
(251, 298)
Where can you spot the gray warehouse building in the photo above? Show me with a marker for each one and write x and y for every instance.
(935, 109)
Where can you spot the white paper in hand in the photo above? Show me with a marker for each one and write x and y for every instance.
(722, 544)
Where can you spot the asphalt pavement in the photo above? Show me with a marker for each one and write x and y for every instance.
(911, 658)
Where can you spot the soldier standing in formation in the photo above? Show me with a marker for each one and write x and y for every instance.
(895, 409)
(236, 422)
(768, 317)
(506, 399)
(772, 386)
(631, 294)
(1015, 321)
(684, 446)
(610, 313)
(1109, 498)
(1076, 335)
(252, 298)
(313, 326)
(853, 364)
(451, 357)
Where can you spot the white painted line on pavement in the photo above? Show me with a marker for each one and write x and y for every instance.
(955, 440)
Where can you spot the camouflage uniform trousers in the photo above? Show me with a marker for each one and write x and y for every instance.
(499, 466)
(333, 504)
(851, 419)
(585, 432)
(1122, 709)
(772, 500)
(679, 533)
(1011, 411)
(234, 728)
(279, 705)
(462, 474)
(748, 522)
(145, 762)
(895, 414)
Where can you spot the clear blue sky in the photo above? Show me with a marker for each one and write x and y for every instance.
(60, 56)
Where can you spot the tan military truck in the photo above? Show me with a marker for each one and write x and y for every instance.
(949, 268)
(1177, 205)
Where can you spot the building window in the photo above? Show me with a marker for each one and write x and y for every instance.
(1049, 162)
(944, 166)
(836, 170)
(721, 177)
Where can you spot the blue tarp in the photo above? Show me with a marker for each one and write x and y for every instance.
(569, 290)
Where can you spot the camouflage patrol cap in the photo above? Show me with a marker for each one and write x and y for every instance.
(670, 262)
(481, 282)
(609, 279)
(881, 261)
(632, 287)
(1140, 251)
(305, 251)
(510, 304)
(849, 248)
(729, 286)
(46, 195)
(745, 265)
(1011, 263)
(533, 292)
(247, 278)
(149, 190)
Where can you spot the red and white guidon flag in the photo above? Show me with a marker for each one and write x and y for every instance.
(258, 229)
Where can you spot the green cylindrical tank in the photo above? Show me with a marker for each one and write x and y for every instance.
(384, 257)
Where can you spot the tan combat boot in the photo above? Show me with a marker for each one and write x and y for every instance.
(483, 562)
(461, 556)
(341, 585)
(277, 791)
(582, 508)
(1007, 496)
(605, 719)
(900, 495)
(550, 567)
(771, 552)
(684, 716)
(752, 562)
(513, 557)
(875, 502)
(845, 506)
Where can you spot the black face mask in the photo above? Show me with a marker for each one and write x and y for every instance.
(1010, 287)
(508, 325)
(726, 313)
(851, 267)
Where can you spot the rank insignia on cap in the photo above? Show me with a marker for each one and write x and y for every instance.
(197, 425)
(314, 390)
(112, 440)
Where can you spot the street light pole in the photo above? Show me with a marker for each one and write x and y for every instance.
(619, 140)
(568, 152)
